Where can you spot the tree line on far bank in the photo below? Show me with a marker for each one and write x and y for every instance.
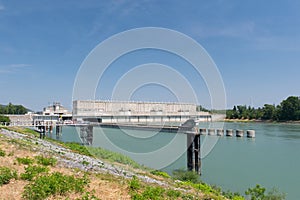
(11, 109)
(287, 110)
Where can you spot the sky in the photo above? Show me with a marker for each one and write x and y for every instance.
(254, 44)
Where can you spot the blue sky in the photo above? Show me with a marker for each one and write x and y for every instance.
(255, 44)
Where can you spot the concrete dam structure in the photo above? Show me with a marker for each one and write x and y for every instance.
(135, 112)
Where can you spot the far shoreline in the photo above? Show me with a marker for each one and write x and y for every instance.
(259, 121)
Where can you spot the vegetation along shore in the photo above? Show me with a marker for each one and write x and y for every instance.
(287, 111)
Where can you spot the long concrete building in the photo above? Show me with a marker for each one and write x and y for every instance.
(135, 112)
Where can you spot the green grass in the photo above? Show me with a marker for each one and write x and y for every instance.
(113, 157)
(187, 176)
(134, 184)
(6, 175)
(46, 161)
(33, 171)
(139, 191)
(25, 160)
(54, 184)
(85, 163)
(78, 148)
(2, 153)
(160, 173)
(23, 130)
(102, 154)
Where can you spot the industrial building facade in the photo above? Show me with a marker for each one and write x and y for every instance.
(117, 111)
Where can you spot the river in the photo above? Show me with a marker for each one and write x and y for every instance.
(271, 159)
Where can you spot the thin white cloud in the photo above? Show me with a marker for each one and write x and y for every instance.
(19, 65)
(4, 71)
(12, 68)
(240, 30)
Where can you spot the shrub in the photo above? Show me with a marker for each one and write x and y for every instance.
(160, 173)
(6, 175)
(184, 175)
(25, 161)
(46, 161)
(230, 195)
(258, 193)
(33, 171)
(55, 184)
(238, 198)
(2, 153)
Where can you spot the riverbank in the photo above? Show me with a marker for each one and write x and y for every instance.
(107, 180)
(260, 121)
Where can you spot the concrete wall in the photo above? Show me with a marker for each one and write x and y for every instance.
(98, 108)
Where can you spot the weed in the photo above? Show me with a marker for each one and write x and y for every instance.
(78, 148)
(85, 163)
(2, 153)
(173, 194)
(187, 197)
(33, 171)
(46, 161)
(155, 193)
(113, 156)
(54, 184)
(258, 192)
(184, 175)
(160, 173)
(6, 175)
(88, 196)
(25, 161)
(134, 184)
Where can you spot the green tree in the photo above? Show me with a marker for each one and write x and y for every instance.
(13, 109)
(256, 193)
(269, 112)
(290, 109)
(259, 113)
